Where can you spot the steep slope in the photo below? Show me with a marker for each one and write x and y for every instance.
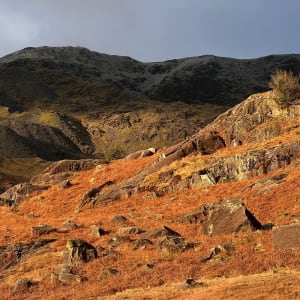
(193, 220)
(207, 79)
(107, 106)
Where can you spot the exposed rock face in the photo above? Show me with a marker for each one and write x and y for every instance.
(206, 143)
(78, 252)
(287, 236)
(251, 163)
(18, 193)
(196, 217)
(222, 217)
(71, 166)
(10, 255)
(140, 154)
(228, 216)
(64, 273)
(230, 168)
(60, 171)
(243, 123)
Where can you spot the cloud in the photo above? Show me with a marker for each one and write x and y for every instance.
(153, 29)
(16, 28)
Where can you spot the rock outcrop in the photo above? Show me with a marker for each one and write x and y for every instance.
(18, 193)
(10, 255)
(222, 217)
(287, 236)
(78, 252)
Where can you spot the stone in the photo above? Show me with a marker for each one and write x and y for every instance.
(108, 251)
(69, 225)
(70, 278)
(78, 252)
(65, 184)
(228, 216)
(220, 253)
(118, 220)
(41, 229)
(171, 244)
(118, 241)
(191, 283)
(128, 230)
(160, 232)
(22, 284)
(198, 216)
(98, 231)
(287, 236)
(64, 273)
(142, 244)
(109, 273)
(147, 267)
(93, 193)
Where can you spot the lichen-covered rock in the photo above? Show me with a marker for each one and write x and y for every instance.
(78, 252)
(287, 236)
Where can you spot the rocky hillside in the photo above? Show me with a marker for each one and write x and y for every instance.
(215, 216)
(70, 102)
(37, 73)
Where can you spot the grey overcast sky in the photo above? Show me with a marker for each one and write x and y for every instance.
(154, 30)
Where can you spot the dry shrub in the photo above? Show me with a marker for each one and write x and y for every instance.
(285, 87)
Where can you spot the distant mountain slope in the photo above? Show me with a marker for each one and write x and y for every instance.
(69, 102)
(208, 79)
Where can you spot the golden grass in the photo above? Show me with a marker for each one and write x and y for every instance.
(255, 266)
